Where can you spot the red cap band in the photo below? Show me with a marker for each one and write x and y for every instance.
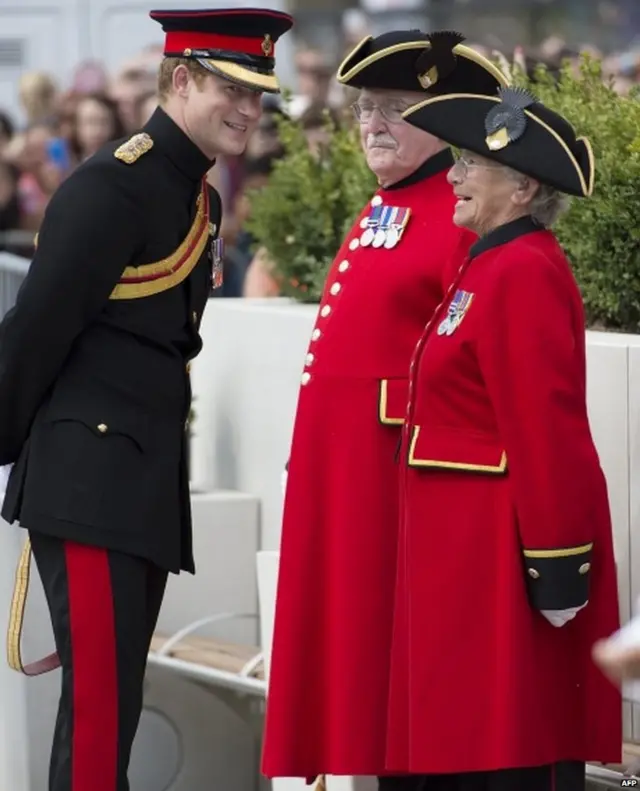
(179, 42)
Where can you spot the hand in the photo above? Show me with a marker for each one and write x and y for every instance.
(559, 618)
(618, 656)
(619, 663)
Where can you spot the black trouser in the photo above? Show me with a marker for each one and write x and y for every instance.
(565, 776)
(104, 606)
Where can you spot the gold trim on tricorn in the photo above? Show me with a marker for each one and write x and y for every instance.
(460, 49)
(446, 97)
(413, 461)
(383, 398)
(592, 163)
(149, 279)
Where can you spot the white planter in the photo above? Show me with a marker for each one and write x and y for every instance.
(246, 383)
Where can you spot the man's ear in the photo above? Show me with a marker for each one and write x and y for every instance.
(181, 80)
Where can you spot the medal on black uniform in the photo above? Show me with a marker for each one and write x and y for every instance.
(217, 261)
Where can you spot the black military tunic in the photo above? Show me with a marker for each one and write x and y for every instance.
(94, 385)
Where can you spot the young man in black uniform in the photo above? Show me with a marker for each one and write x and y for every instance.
(94, 385)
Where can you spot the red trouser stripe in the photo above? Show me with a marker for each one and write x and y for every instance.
(94, 669)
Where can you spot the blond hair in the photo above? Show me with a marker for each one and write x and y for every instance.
(169, 65)
(37, 92)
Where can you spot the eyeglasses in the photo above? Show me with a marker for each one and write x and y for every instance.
(464, 163)
(391, 112)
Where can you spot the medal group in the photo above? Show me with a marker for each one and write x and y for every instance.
(384, 226)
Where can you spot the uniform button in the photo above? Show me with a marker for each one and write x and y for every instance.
(194, 317)
(103, 428)
(364, 222)
(533, 573)
(326, 310)
(354, 244)
(188, 368)
(584, 568)
(315, 335)
(305, 378)
(310, 358)
(376, 200)
(335, 288)
(343, 266)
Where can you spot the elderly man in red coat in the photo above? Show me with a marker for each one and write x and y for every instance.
(329, 684)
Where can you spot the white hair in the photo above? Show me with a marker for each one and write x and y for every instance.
(547, 205)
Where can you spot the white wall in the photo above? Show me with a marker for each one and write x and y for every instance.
(245, 383)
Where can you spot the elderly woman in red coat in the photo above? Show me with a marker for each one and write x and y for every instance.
(505, 573)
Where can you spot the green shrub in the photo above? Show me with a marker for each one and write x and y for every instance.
(304, 213)
(601, 234)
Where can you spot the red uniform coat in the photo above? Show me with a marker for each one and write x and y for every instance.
(504, 513)
(328, 686)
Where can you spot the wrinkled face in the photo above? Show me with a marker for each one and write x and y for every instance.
(394, 149)
(94, 124)
(489, 195)
(219, 115)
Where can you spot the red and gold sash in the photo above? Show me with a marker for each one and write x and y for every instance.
(149, 279)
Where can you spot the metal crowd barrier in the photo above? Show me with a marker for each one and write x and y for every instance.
(13, 269)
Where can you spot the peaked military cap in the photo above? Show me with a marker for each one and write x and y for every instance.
(235, 43)
(410, 60)
(515, 129)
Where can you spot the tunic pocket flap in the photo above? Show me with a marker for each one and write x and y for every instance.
(102, 421)
(393, 396)
(447, 449)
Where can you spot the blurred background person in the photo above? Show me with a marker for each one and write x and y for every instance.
(97, 121)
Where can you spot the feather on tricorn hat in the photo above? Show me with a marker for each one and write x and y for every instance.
(410, 60)
(515, 129)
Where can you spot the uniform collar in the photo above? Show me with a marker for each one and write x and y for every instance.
(443, 160)
(505, 233)
(177, 146)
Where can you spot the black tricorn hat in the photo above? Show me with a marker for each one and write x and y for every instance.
(515, 129)
(235, 43)
(410, 60)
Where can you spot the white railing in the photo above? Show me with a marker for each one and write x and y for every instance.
(13, 269)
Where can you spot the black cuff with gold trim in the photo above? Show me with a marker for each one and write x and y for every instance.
(558, 578)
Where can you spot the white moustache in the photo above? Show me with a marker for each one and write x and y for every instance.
(381, 141)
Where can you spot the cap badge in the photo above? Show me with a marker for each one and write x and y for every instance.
(187, 52)
(506, 122)
(267, 45)
(429, 78)
(439, 58)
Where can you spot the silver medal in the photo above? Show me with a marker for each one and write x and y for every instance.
(367, 237)
(393, 237)
(378, 239)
